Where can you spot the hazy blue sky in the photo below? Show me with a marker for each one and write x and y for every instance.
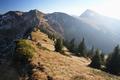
(74, 7)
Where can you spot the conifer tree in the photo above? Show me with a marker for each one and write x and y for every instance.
(102, 55)
(113, 63)
(96, 60)
(82, 48)
(91, 53)
(58, 45)
(72, 45)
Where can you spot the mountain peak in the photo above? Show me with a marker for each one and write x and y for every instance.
(14, 13)
(34, 10)
(89, 13)
(89, 10)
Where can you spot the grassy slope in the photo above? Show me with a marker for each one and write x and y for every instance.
(55, 65)
(61, 67)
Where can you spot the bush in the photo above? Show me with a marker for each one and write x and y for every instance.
(24, 50)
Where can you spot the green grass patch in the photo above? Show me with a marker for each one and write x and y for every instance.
(24, 49)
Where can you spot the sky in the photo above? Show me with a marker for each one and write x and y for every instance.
(73, 7)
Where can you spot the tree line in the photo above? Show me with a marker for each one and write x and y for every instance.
(99, 60)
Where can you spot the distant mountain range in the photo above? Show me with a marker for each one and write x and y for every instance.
(99, 31)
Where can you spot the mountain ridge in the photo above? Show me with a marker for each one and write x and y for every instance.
(27, 47)
(82, 29)
(65, 25)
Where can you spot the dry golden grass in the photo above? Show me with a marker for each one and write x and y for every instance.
(64, 68)
(55, 65)
(43, 39)
(61, 67)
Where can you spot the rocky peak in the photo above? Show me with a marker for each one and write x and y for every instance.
(36, 12)
(89, 13)
(12, 13)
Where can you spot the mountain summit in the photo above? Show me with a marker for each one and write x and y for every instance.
(89, 13)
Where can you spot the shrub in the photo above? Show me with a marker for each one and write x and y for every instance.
(24, 50)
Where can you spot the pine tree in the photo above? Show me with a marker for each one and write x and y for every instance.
(66, 43)
(102, 55)
(91, 53)
(113, 63)
(58, 45)
(82, 48)
(72, 45)
(96, 60)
